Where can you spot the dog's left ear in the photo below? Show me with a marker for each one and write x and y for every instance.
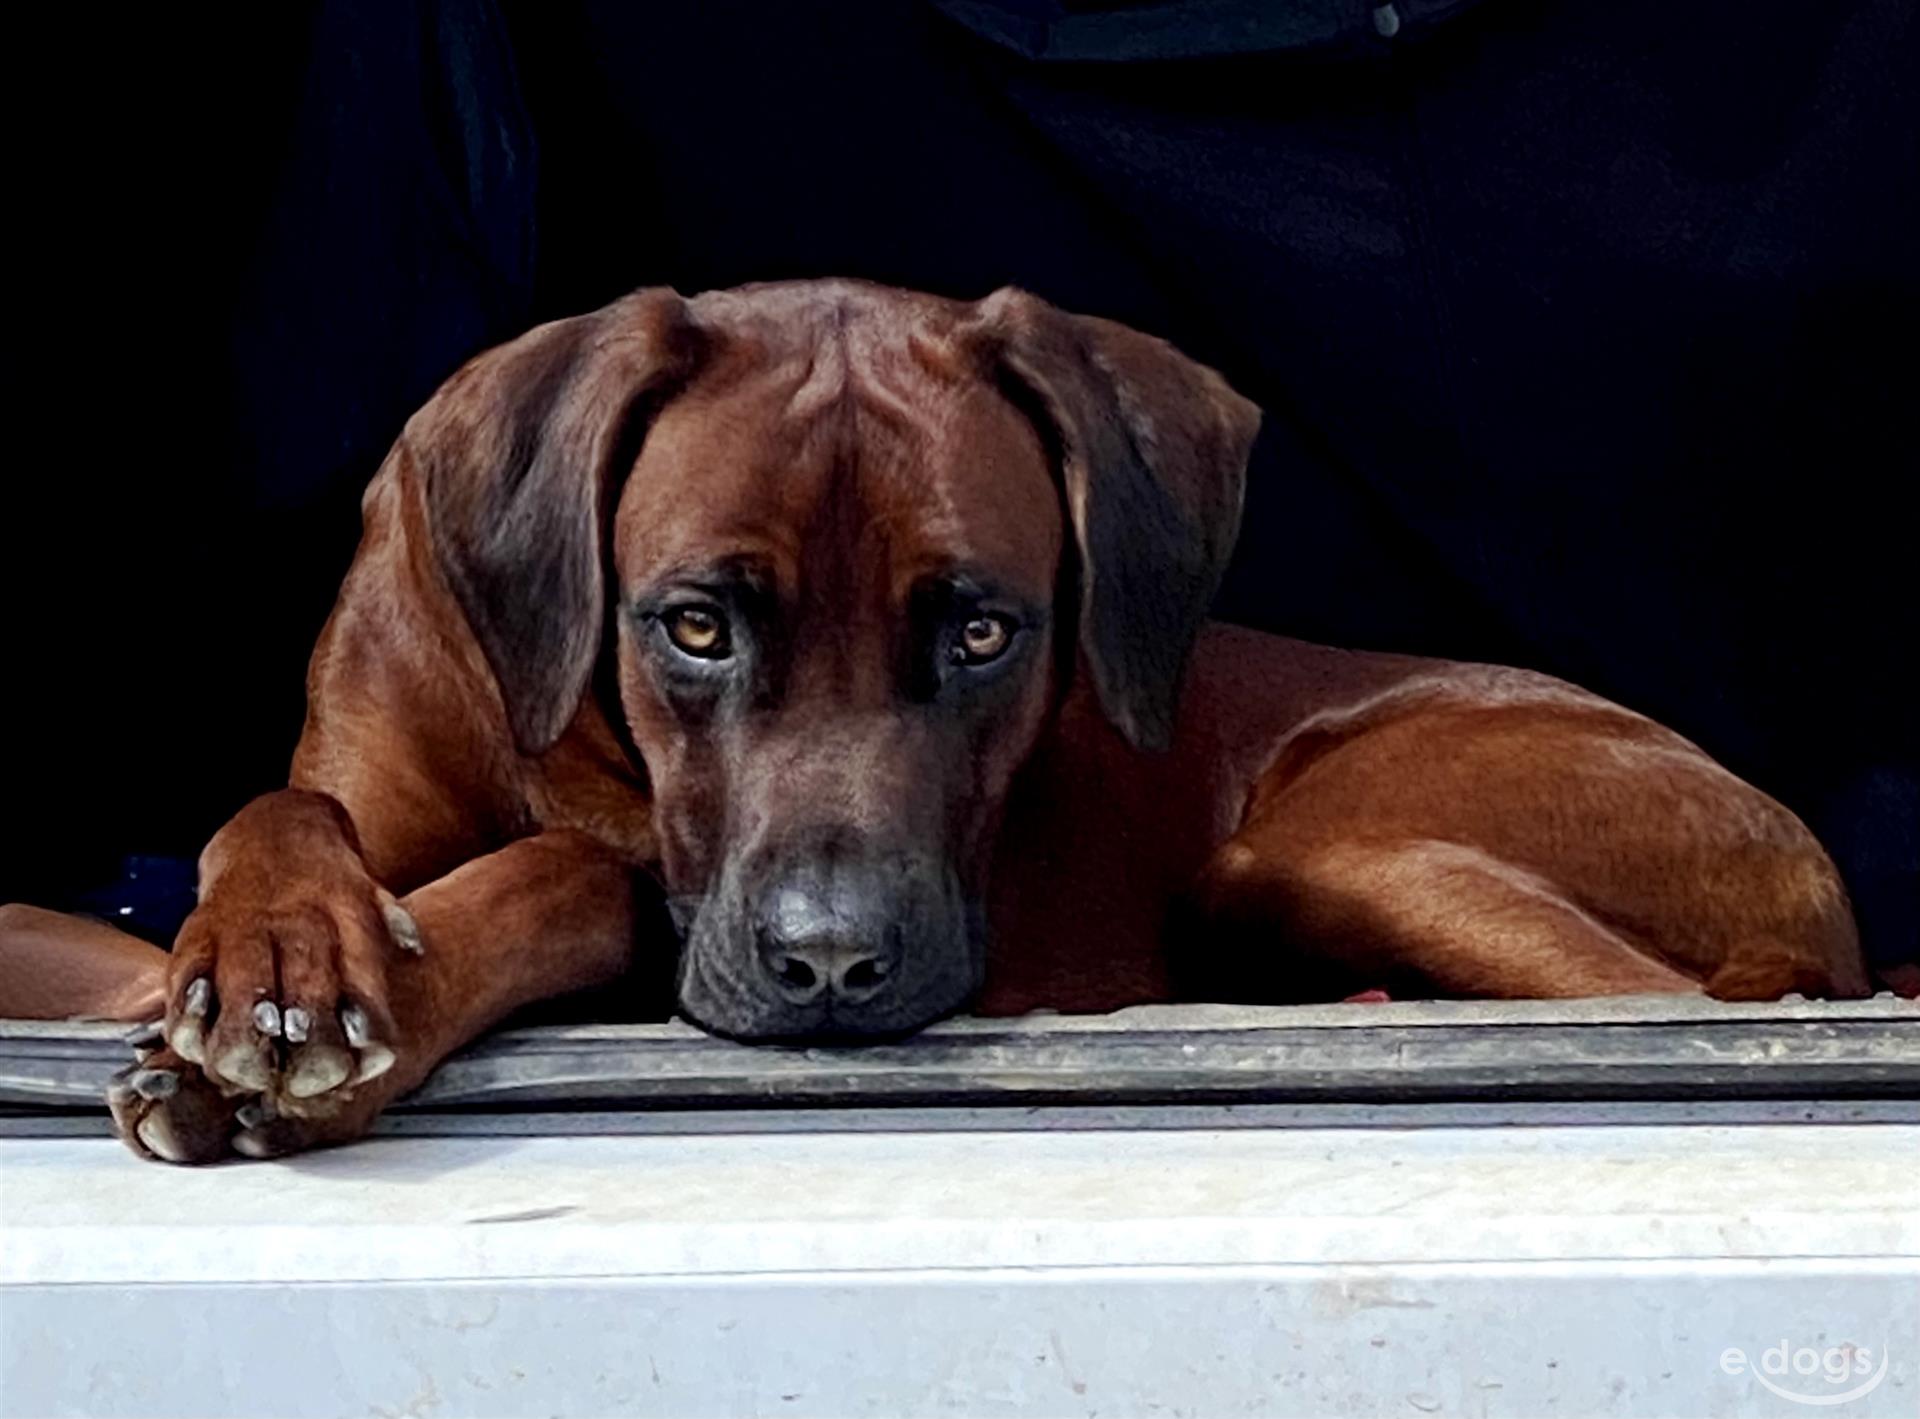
(1153, 456)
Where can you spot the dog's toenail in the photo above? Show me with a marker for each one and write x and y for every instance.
(199, 997)
(155, 1083)
(249, 1115)
(297, 1024)
(354, 1021)
(266, 1017)
(188, 1042)
(404, 929)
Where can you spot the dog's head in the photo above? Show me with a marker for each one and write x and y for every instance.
(849, 546)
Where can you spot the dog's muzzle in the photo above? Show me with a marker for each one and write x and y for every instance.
(830, 942)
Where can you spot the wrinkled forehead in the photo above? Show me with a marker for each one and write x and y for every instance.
(835, 457)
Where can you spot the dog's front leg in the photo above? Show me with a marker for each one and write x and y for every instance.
(545, 916)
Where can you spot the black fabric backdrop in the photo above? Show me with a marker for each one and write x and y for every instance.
(1584, 331)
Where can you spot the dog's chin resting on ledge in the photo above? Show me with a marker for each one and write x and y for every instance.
(839, 656)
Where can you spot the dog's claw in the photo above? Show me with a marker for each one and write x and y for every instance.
(266, 1018)
(155, 1084)
(296, 1024)
(404, 929)
(256, 1111)
(375, 1058)
(189, 1034)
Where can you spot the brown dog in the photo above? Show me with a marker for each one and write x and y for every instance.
(870, 626)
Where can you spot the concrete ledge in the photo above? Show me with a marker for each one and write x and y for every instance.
(1517, 1271)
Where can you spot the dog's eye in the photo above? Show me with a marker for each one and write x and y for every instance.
(982, 639)
(699, 631)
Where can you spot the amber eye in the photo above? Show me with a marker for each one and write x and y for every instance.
(982, 639)
(698, 630)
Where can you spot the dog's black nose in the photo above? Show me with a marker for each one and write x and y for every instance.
(811, 948)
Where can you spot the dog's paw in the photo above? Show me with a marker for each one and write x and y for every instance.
(284, 997)
(166, 1110)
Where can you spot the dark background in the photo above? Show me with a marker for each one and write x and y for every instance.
(1584, 331)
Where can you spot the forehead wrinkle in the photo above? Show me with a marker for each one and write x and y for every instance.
(846, 367)
(822, 384)
(865, 463)
(893, 382)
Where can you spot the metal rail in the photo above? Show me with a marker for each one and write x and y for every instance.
(1643, 1049)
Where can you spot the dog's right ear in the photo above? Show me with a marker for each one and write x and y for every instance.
(519, 457)
(1153, 460)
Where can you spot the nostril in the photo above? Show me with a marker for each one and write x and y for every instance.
(864, 974)
(794, 973)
